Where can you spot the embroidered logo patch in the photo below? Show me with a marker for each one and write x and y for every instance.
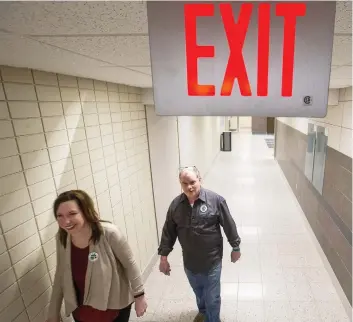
(93, 257)
(203, 208)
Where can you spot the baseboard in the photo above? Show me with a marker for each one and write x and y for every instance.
(148, 269)
(322, 255)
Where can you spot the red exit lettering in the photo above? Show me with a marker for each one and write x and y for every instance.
(236, 34)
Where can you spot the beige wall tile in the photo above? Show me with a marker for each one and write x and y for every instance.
(92, 132)
(25, 248)
(48, 93)
(24, 109)
(101, 96)
(98, 165)
(85, 183)
(91, 120)
(76, 135)
(83, 172)
(28, 126)
(32, 294)
(16, 75)
(44, 78)
(51, 108)
(89, 108)
(100, 86)
(70, 94)
(346, 142)
(29, 280)
(5, 262)
(35, 159)
(72, 108)
(51, 260)
(41, 189)
(12, 311)
(347, 115)
(103, 108)
(67, 81)
(64, 179)
(22, 318)
(48, 232)
(4, 112)
(55, 123)
(56, 138)
(45, 219)
(31, 143)
(20, 233)
(6, 130)
(348, 94)
(13, 200)
(20, 92)
(28, 263)
(85, 83)
(43, 204)
(35, 308)
(62, 166)
(16, 217)
(50, 246)
(2, 93)
(74, 121)
(9, 295)
(38, 174)
(3, 246)
(8, 147)
(12, 183)
(7, 278)
(79, 147)
(59, 152)
(94, 143)
(87, 95)
(80, 160)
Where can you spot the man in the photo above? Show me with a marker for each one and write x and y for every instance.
(195, 217)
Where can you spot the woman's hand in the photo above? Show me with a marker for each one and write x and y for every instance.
(140, 306)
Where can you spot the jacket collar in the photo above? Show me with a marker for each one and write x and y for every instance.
(202, 195)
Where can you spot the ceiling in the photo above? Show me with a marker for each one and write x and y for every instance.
(108, 40)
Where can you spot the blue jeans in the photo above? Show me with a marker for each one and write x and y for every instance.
(207, 288)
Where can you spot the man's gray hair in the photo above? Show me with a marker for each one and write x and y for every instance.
(190, 168)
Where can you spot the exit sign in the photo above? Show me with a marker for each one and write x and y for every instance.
(241, 58)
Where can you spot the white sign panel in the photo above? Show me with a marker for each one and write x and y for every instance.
(241, 58)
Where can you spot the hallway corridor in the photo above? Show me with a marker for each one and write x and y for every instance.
(280, 276)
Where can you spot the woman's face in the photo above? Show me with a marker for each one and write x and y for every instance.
(70, 217)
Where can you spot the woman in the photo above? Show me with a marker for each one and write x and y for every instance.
(96, 273)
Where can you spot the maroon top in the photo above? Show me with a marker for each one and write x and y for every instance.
(84, 313)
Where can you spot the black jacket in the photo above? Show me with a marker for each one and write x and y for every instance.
(198, 230)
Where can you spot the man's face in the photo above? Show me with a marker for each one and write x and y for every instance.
(190, 183)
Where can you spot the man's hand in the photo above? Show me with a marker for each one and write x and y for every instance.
(140, 306)
(164, 266)
(234, 256)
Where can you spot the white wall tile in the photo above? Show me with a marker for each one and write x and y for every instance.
(50, 246)
(91, 120)
(79, 147)
(22, 318)
(6, 130)
(29, 262)
(20, 92)
(48, 93)
(89, 108)
(113, 97)
(32, 294)
(55, 123)
(12, 183)
(16, 217)
(16, 75)
(8, 147)
(13, 311)
(28, 126)
(8, 296)
(44, 78)
(13, 200)
(25, 248)
(29, 280)
(80, 160)
(5, 262)
(48, 232)
(100, 86)
(51, 108)
(92, 132)
(24, 109)
(64, 179)
(31, 143)
(3, 247)
(35, 308)
(96, 154)
(45, 219)
(101, 96)
(87, 95)
(94, 143)
(85, 83)
(34, 159)
(83, 172)
(103, 108)
(38, 174)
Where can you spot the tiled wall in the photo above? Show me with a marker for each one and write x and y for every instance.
(58, 133)
(330, 213)
(338, 121)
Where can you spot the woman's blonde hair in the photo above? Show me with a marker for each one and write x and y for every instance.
(86, 205)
